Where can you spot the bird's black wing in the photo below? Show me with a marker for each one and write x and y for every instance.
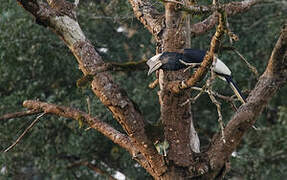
(193, 55)
(170, 61)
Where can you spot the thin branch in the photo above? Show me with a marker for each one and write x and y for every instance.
(274, 77)
(232, 36)
(147, 14)
(65, 25)
(95, 123)
(117, 137)
(198, 95)
(230, 9)
(209, 83)
(25, 132)
(113, 18)
(176, 86)
(19, 114)
(229, 99)
(251, 68)
(197, 10)
(193, 99)
(112, 66)
(153, 84)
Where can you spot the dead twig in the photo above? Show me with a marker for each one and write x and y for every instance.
(218, 107)
(104, 128)
(251, 68)
(229, 99)
(193, 99)
(209, 83)
(19, 114)
(232, 36)
(25, 132)
(153, 84)
(207, 24)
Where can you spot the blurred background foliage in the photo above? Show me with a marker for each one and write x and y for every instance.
(35, 64)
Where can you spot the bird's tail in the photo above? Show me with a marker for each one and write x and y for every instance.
(235, 89)
(154, 63)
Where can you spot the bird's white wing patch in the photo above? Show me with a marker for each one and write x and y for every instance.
(221, 68)
(189, 64)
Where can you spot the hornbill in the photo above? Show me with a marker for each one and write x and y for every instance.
(173, 61)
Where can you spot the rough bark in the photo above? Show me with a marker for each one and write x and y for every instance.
(177, 120)
(269, 83)
(153, 20)
(147, 15)
(111, 95)
(170, 31)
(117, 137)
(177, 86)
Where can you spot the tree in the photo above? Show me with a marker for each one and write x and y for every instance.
(171, 32)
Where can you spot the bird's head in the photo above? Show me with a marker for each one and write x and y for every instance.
(154, 63)
(167, 61)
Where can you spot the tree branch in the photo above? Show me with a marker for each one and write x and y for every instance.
(176, 86)
(181, 137)
(127, 66)
(230, 9)
(93, 122)
(19, 114)
(209, 84)
(115, 66)
(148, 15)
(269, 83)
(25, 132)
(64, 24)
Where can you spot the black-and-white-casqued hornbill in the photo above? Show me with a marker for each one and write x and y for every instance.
(173, 61)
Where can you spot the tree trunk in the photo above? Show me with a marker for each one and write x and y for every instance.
(176, 118)
(183, 161)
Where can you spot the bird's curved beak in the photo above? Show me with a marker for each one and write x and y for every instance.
(153, 67)
(154, 63)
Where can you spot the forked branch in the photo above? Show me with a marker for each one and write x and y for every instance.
(104, 128)
(147, 14)
(61, 20)
(230, 9)
(207, 61)
(269, 83)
